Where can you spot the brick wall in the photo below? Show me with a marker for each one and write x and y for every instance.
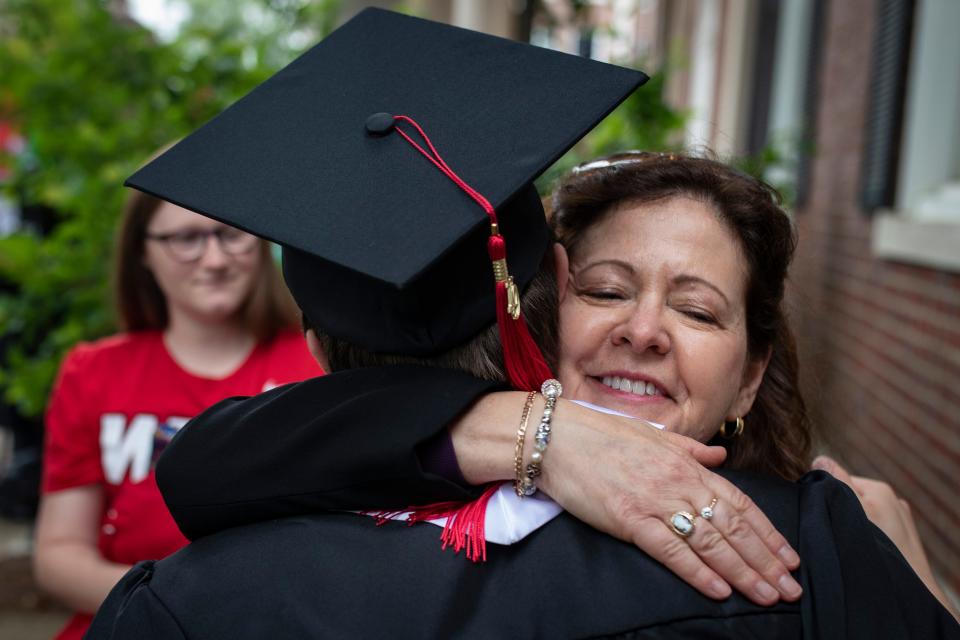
(879, 340)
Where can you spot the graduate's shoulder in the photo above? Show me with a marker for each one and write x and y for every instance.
(134, 609)
(321, 566)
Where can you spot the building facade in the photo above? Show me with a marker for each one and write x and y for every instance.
(876, 283)
(855, 104)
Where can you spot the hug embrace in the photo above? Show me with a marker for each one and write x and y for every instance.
(654, 292)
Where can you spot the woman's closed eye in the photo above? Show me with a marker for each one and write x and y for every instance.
(698, 312)
(602, 294)
(699, 315)
(596, 286)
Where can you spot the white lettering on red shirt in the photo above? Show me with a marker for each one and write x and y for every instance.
(129, 447)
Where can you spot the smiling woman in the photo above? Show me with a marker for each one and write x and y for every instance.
(166, 266)
(209, 282)
(678, 268)
(654, 290)
(204, 316)
(653, 328)
(670, 273)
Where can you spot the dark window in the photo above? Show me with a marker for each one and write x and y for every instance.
(884, 122)
(768, 14)
(811, 96)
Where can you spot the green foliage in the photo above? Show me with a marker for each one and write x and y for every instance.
(643, 122)
(776, 163)
(94, 94)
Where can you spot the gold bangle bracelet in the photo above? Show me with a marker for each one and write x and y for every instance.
(518, 450)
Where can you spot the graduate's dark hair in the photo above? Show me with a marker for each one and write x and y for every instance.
(481, 356)
(777, 438)
(140, 304)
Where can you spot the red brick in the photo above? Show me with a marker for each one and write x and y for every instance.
(879, 341)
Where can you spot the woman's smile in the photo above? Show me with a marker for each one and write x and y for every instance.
(652, 317)
(632, 387)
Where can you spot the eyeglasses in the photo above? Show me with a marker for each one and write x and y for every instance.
(191, 244)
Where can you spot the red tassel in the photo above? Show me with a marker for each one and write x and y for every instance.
(525, 365)
(497, 247)
(526, 368)
(465, 524)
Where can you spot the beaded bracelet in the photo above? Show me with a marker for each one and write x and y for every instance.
(551, 390)
(518, 450)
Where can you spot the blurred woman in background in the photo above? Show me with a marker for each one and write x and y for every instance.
(204, 315)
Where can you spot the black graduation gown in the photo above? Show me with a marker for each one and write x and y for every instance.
(346, 440)
(337, 575)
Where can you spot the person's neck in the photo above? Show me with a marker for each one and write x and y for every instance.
(210, 350)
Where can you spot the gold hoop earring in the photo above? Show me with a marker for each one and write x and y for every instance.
(736, 432)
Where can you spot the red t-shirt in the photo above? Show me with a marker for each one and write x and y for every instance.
(115, 404)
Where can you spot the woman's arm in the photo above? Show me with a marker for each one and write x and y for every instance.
(344, 441)
(860, 585)
(349, 441)
(892, 515)
(625, 478)
(67, 562)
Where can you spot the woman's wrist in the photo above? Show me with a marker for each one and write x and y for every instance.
(485, 436)
(519, 479)
(528, 464)
(564, 436)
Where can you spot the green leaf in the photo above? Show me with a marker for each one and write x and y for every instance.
(94, 95)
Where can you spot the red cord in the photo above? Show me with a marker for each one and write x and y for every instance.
(439, 162)
(526, 369)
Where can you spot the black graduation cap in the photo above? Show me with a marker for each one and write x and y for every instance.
(380, 247)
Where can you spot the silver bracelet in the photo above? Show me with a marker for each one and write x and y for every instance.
(551, 390)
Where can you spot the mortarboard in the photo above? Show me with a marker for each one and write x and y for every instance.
(381, 247)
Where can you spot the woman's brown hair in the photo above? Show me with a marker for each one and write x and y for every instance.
(777, 437)
(141, 305)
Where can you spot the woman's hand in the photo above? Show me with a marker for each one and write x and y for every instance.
(884, 508)
(626, 478)
(67, 562)
(893, 516)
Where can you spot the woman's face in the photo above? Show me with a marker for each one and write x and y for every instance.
(214, 285)
(652, 318)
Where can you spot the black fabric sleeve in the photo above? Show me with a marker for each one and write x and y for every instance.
(342, 441)
(856, 582)
(133, 610)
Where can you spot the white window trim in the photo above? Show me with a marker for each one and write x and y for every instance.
(924, 228)
(898, 236)
(703, 72)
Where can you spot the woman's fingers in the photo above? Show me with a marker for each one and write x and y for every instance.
(646, 475)
(740, 543)
(737, 543)
(743, 507)
(834, 468)
(654, 537)
(714, 549)
(745, 549)
(708, 456)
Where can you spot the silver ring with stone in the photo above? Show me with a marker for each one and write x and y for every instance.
(707, 512)
(682, 523)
